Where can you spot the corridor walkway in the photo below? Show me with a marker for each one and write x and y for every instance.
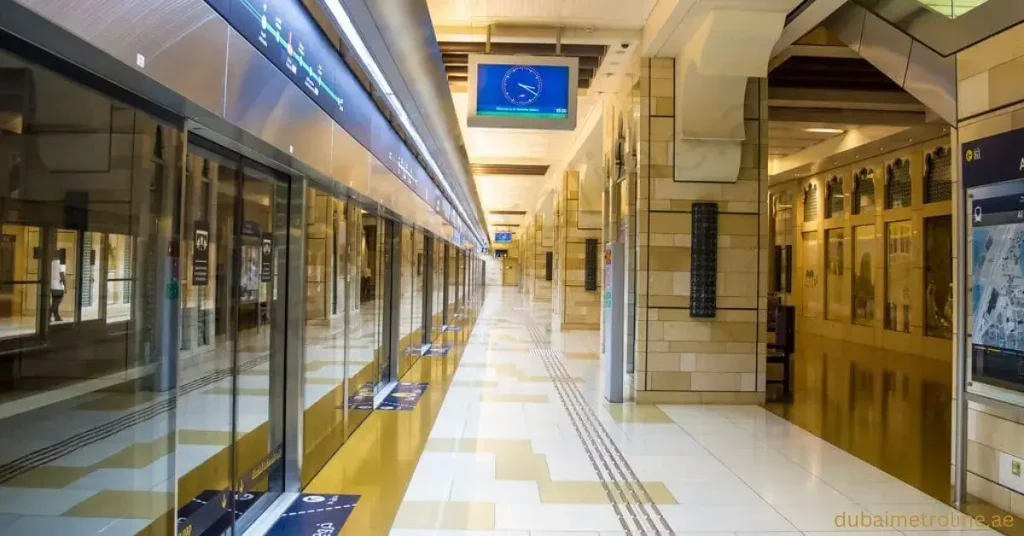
(523, 444)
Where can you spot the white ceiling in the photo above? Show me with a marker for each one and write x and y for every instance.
(614, 23)
(606, 14)
(515, 146)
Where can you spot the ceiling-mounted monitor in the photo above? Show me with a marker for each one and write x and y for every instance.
(530, 92)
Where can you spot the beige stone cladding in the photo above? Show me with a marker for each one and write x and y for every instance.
(680, 358)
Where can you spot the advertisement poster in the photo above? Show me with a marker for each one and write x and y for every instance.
(201, 254)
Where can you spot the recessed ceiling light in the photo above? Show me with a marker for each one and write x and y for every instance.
(820, 130)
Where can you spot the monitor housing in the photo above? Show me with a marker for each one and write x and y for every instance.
(523, 121)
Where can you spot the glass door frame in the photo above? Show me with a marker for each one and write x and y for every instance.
(271, 468)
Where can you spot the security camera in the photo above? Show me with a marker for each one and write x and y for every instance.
(624, 45)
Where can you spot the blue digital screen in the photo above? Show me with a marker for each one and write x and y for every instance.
(285, 33)
(530, 91)
(503, 238)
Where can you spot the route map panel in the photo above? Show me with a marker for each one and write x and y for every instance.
(998, 291)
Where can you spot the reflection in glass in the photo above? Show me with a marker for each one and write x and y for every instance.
(408, 349)
(257, 449)
(118, 253)
(811, 278)
(835, 206)
(19, 276)
(898, 184)
(837, 304)
(864, 253)
(938, 277)
(364, 318)
(898, 266)
(437, 311)
(810, 200)
(952, 8)
(208, 308)
(89, 404)
(864, 191)
(419, 273)
(325, 373)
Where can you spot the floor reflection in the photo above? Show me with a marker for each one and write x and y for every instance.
(890, 409)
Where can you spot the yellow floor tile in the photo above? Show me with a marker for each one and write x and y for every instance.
(418, 515)
(583, 356)
(467, 516)
(648, 413)
(521, 466)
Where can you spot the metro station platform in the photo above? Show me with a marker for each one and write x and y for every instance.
(513, 437)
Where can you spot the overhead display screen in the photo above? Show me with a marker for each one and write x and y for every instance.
(523, 91)
(503, 238)
(530, 92)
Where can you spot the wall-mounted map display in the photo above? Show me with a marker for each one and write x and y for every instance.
(998, 289)
(993, 168)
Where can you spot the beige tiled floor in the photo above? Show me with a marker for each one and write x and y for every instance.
(514, 453)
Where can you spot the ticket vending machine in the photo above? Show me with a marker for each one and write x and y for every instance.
(612, 300)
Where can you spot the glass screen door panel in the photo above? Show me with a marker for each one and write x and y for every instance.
(324, 382)
(386, 257)
(258, 444)
(206, 356)
(363, 367)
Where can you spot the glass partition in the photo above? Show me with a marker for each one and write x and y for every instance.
(837, 305)
(325, 373)
(864, 255)
(437, 311)
(938, 278)
(365, 321)
(409, 350)
(451, 281)
(812, 279)
(87, 406)
(420, 273)
(898, 268)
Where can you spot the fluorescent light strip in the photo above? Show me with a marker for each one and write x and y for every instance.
(345, 23)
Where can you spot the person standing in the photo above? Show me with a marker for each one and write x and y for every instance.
(58, 271)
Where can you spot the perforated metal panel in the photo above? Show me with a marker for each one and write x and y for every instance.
(938, 179)
(590, 265)
(864, 191)
(811, 202)
(704, 261)
(897, 184)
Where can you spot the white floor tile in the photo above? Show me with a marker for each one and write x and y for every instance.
(40, 502)
(79, 526)
(564, 517)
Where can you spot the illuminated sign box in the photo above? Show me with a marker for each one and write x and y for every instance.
(503, 238)
(528, 92)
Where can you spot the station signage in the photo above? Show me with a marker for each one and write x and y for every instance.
(994, 159)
